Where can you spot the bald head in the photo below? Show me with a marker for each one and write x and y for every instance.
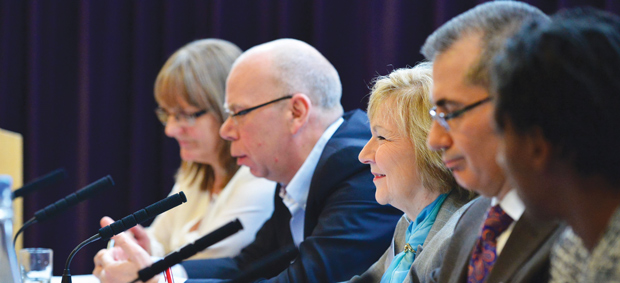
(284, 94)
(297, 67)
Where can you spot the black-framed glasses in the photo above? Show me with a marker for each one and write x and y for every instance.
(188, 119)
(248, 110)
(443, 118)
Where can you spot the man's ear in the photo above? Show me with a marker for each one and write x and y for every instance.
(300, 111)
(539, 150)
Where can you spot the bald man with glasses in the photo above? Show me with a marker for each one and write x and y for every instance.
(286, 124)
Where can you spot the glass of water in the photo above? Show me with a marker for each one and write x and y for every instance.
(36, 265)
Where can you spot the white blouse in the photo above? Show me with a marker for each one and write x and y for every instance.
(245, 197)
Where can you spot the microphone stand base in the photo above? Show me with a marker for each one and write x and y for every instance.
(66, 276)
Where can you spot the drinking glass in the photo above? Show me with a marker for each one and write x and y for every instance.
(36, 265)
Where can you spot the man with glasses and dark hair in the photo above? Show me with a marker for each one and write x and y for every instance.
(496, 239)
(558, 114)
(287, 125)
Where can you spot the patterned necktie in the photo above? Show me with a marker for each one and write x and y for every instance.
(485, 254)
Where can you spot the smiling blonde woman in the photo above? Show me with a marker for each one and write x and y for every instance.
(409, 176)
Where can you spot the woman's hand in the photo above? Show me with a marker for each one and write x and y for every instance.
(121, 263)
(140, 235)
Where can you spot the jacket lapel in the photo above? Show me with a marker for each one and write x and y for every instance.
(472, 224)
(282, 216)
(528, 235)
(453, 202)
(345, 142)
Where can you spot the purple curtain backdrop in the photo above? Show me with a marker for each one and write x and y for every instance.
(76, 80)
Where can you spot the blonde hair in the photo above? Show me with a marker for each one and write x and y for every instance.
(406, 92)
(196, 74)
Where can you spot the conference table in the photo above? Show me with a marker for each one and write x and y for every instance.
(78, 279)
(92, 279)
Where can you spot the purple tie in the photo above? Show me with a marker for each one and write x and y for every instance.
(485, 254)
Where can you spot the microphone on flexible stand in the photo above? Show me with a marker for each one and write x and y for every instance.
(189, 250)
(44, 181)
(124, 224)
(66, 202)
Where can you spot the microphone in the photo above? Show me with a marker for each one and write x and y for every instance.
(141, 215)
(68, 201)
(279, 258)
(189, 250)
(73, 199)
(127, 222)
(44, 181)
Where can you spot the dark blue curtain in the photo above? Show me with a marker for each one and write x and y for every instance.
(76, 79)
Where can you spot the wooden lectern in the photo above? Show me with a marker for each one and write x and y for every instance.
(12, 163)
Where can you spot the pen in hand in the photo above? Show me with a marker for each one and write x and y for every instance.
(110, 244)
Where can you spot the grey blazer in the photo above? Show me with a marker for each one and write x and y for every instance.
(525, 257)
(428, 258)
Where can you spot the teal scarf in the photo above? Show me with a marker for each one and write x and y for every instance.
(416, 234)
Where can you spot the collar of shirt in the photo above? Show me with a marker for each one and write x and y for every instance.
(511, 204)
(295, 194)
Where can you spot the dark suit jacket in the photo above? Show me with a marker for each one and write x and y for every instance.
(345, 229)
(524, 258)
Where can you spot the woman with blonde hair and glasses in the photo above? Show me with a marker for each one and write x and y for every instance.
(190, 92)
(409, 176)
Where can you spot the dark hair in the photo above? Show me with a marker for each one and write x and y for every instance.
(495, 21)
(563, 77)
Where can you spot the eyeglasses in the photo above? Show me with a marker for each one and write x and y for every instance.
(248, 110)
(188, 119)
(443, 118)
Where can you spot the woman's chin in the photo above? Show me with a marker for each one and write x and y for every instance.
(187, 157)
(381, 199)
(194, 159)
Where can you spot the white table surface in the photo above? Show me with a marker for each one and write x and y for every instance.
(77, 279)
(92, 279)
